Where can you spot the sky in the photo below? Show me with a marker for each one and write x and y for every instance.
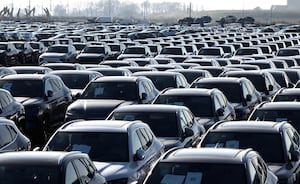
(196, 4)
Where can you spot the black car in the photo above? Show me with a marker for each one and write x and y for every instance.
(277, 143)
(240, 92)
(175, 126)
(104, 94)
(26, 53)
(31, 69)
(76, 80)
(45, 98)
(290, 95)
(164, 79)
(8, 54)
(210, 105)
(278, 111)
(93, 54)
(48, 167)
(263, 81)
(11, 137)
(209, 165)
(11, 109)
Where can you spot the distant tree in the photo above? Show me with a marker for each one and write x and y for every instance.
(60, 10)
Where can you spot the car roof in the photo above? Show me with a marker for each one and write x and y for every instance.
(221, 80)
(247, 126)
(150, 108)
(47, 158)
(280, 106)
(156, 73)
(98, 126)
(189, 91)
(118, 78)
(206, 155)
(289, 91)
(26, 76)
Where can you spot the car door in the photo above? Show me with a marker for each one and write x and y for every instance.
(142, 141)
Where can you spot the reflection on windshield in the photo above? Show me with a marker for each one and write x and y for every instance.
(23, 88)
(100, 146)
(200, 173)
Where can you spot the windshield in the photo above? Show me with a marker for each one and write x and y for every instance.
(246, 52)
(207, 51)
(58, 49)
(100, 146)
(163, 124)
(134, 50)
(231, 90)
(162, 82)
(111, 90)
(29, 174)
(23, 88)
(74, 81)
(292, 116)
(269, 145)
(200, 173)
(98, 50)
(285, 97)
(173, 51)
(201, 106)
(3, 46)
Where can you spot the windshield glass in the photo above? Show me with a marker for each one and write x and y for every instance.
(23, 88)
(163, 124)
(111, 90)
(200, 173)
(162, 82)
(98, 50)
(173, 51)
(269, 145)
(134, 50)
(29, 174)
(100, 146)
(74, 81)
(201, 106)
(58, 49)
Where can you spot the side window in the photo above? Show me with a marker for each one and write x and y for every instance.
(217, 103)
(12, 131)
(256, 172)
(3, 101)
(71, 176)
(5, 136)
(143, 138)
(48, 86)
(55, 85)
(83, 171)
(245, 91)
(189, 117)
(141, 89)
(136, 143)
(183, 121)
(294, 138)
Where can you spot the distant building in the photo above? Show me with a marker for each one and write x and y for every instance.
(291, 5)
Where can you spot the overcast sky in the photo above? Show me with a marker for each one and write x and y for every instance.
(197, 4)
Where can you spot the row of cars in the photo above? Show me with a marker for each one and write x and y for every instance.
(137, 129)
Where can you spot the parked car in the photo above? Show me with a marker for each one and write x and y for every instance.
(210, 105)
(59, 54)
(11, 109)
(240, 92)
(26, 53)
(104, 94)
(93, 54)
(45, 98)
(109, 71)
(211, 52)
(64, 66)
(289, 95)
(164, 79)
(192, 74)
(263, 81)
(175, 126)
(48, 167)
(135, 52)
(277, 111)
(277, 143)
(123, 151)
(177, 53)
(8, 54)
(76, 80)
(209, 165)
(31, 69)
(11, 137)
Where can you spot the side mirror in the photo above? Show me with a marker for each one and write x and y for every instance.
(248, 98)
(271, 87)
(188, 132)
(144, 96)
(49, 93)
(220, 112)
(139, 155)
(295, 155)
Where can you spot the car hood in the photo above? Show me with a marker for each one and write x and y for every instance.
(113, 170)
(28, 101)
(282, 171)
(170, 142)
